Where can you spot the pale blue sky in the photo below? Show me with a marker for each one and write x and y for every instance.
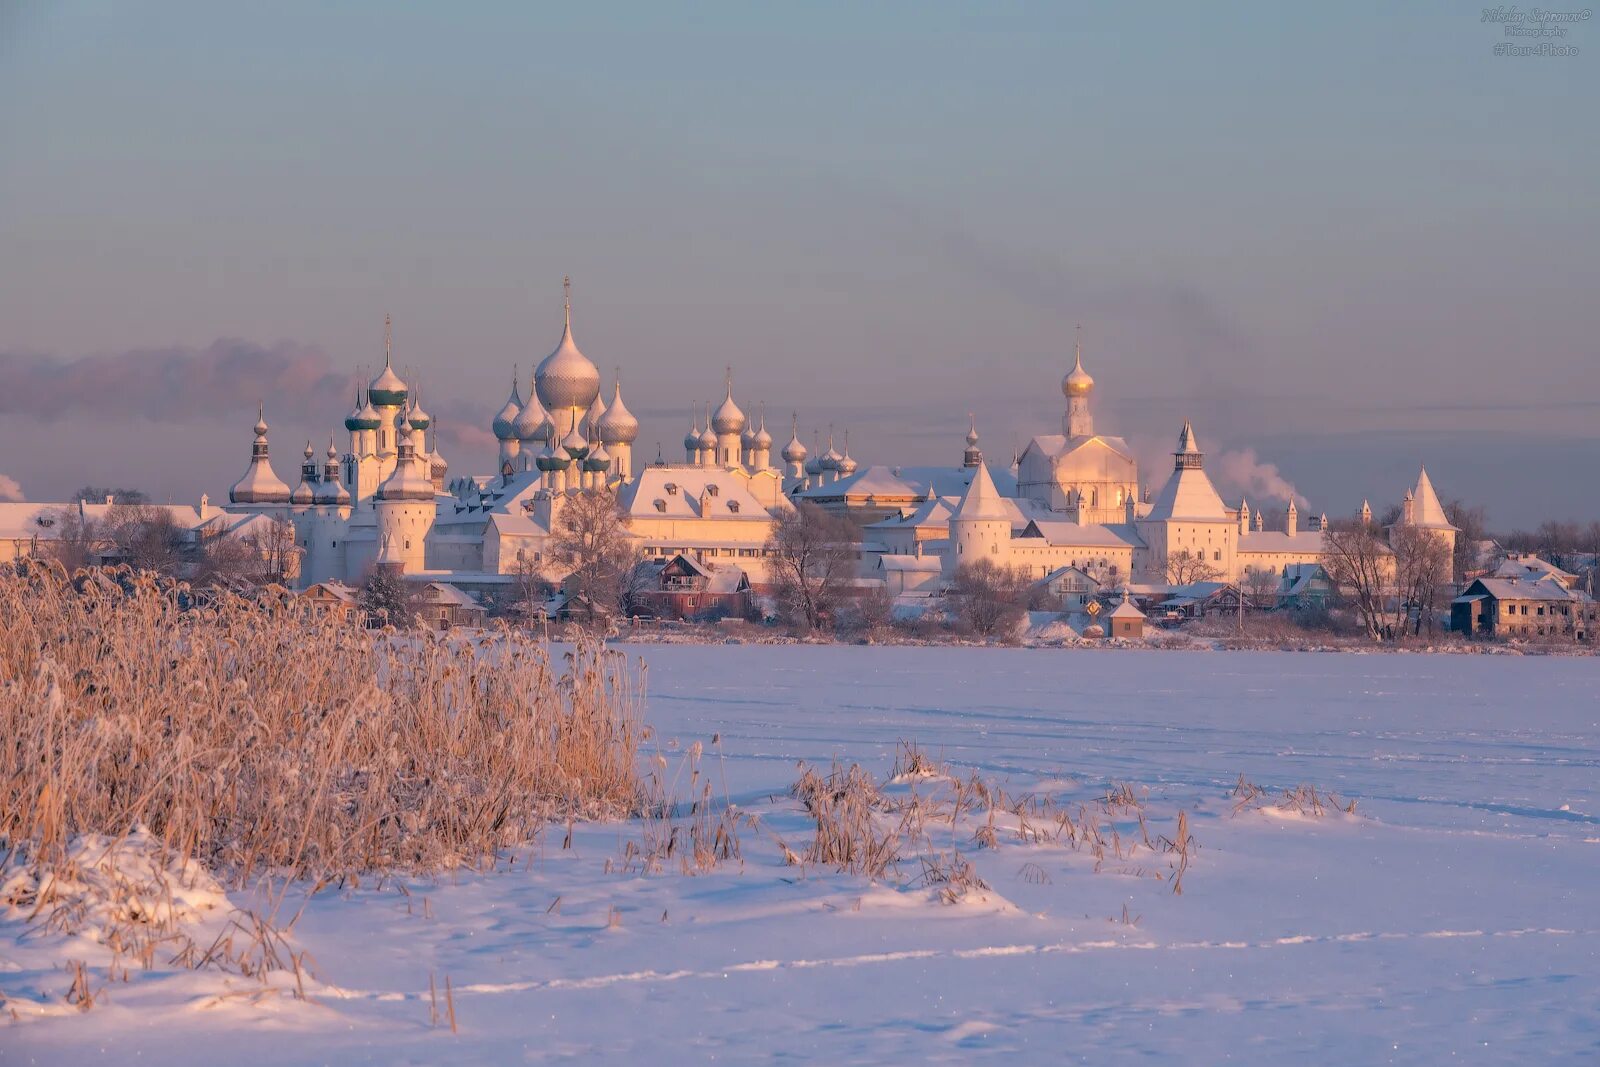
(1314, 227)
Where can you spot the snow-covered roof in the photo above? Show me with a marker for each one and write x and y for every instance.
(687, 491)
(21, 521)
(1057, 445)
(1426, 509)
(910, 564)
(909, 482)
(1126, 610)
(981, 500)
(337, 590)
(1530, 568)
(1065, 534)
(444, 593)
(1512, 589)
(1188, 495)
(1066, 572)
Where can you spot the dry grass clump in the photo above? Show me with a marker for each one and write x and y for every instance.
(260, 736)
(1303, 799)
(698, 840)
(844, 803)
(862, 829)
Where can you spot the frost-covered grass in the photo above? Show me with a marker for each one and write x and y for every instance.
(260, 736)
(151, 754)
(1447, 916)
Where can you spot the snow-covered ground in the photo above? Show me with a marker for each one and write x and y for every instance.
(1452, 918)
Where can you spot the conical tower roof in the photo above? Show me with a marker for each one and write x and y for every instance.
(981, 500)
(1426, 509)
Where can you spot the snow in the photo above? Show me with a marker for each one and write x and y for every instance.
(1449, 918)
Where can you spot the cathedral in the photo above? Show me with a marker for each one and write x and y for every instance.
(1073, 499)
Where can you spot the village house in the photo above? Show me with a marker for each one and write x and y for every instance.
(1515, 607)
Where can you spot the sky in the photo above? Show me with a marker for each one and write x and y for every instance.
(1344, 239)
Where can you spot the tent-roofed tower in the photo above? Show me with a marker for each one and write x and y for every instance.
(1423, 510)
(980, 526)
(1187, 520)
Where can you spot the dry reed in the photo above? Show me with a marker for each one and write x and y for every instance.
(262, 736)
(153, 738)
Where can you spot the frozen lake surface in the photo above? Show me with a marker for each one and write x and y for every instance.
(1451, 919)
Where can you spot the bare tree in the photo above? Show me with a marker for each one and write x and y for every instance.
(989, 599)
(78, 542)
(532, 588)
(1359, 563)
(1186, 568)
(591, 541)
(145, 537)
(811, 557)
(638, 583)
(276, 553)
(221, 560)
(1259, 587)
(1470, 521)
(1422, 566)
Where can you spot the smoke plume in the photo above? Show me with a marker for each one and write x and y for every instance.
(1240, 471)
(224, 378)
(10, 490)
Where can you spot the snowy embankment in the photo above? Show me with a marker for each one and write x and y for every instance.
(1449, 917)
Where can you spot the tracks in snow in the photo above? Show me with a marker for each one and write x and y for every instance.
(983, 952)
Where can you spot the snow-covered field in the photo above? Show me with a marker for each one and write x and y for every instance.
(1452, 918)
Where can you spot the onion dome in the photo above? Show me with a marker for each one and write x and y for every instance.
(617, 425)
(551, 459)
(762, 441)
(387, 390)
(303, 493)
(691, 440)
(407, 482)
(596, 409)
(846, 464)
(508, 414)
(529, 421)
(329, 490)
(1077, 382)
(795, 450)
(436, 461)
(362, 416)
(814, 464)
(831, 458)
(728, 418)
(370, 419)
(599, 460)
(708, 440)
(419, 419)
(574, 444)
(566, 378)
(260, 484)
